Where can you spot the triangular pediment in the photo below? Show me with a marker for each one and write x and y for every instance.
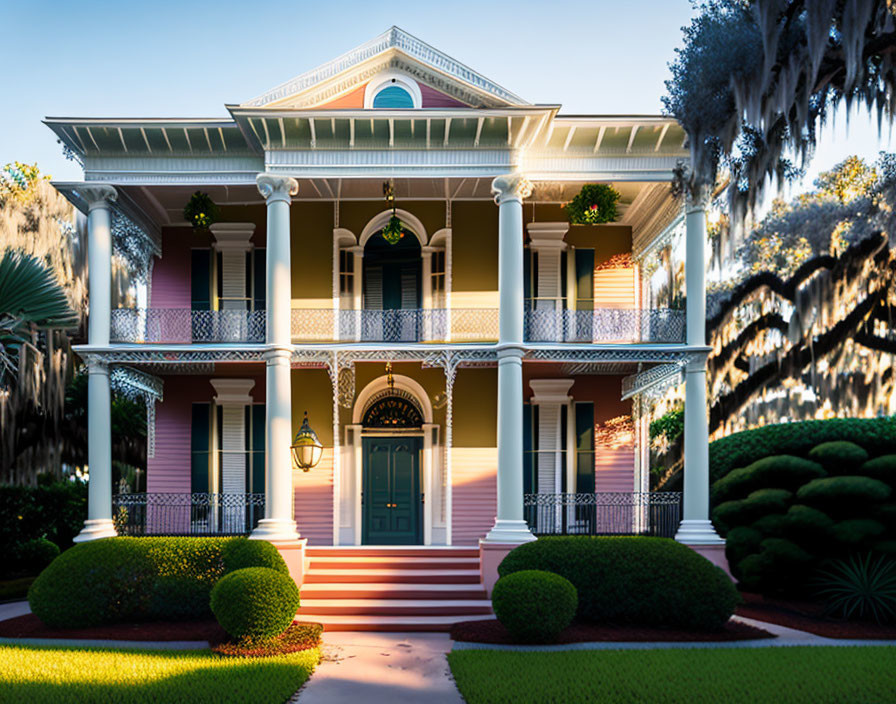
(333, 83)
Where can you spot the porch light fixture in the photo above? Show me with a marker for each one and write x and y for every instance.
(306, 448)
(392, 232)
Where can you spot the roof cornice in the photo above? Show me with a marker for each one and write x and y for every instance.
(392, 46)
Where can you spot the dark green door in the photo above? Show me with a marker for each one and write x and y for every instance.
(392, 503)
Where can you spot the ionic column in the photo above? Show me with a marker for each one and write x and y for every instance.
(99, 408)
(278, 523)
(696, 528)
(510, 527)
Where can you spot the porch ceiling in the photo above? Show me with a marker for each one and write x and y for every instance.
(639, 201)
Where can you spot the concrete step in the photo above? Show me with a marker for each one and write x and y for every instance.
(392, 562)
(452, 576)
(387, 551)
(312, 608)
(395, 624)
(386, 590)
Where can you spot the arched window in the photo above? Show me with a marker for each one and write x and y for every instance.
(393, 96)
(392, 411)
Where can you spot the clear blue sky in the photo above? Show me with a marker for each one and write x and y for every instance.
(186, 58)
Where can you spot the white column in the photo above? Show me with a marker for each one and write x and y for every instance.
(233, 395)
(696, 528)
(546, 240)
(233, 240)
(426, 288)
(278, 523)
(357, 290)
(99, 408)
(552, 398)
(510, 527)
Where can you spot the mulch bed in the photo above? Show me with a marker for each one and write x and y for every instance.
(299, 636)
(492, 631)
(30, 626)
(809, 616)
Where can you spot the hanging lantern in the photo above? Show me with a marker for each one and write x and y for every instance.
(306, 448)
(393, 231)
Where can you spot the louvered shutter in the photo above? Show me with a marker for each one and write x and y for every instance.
(373, 288)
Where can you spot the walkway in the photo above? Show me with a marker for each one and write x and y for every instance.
(367, 667)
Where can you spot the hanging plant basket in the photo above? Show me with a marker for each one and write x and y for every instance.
(393, 231)
(201, 211)
(594, 204)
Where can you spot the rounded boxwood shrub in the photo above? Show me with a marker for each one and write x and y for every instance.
(240, 553)
(773, 472)
(757, 505)
(633, 580)
(534, 605)
(836, 492)
(130, 579)
(882, 468)
(255, 602)
(839, 456)
(741, 542)
(771, 526)
(807, 523)
(36, 554)
(777, 561)
(103, 581)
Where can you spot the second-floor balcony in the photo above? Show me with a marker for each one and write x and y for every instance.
(467, 325)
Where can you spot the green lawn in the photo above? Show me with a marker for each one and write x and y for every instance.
(793, 675)
(83, 676)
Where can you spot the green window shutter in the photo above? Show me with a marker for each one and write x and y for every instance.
(259, 283)
(584, 448)
(200, 279)
(584, 279)
(199, 448)
(257, 446)
(528, 453)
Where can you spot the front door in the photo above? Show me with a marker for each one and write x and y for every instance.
(391, 503)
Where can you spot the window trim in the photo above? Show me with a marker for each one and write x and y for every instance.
(392, 77)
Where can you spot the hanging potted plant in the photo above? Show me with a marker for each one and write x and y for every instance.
(393, 231)
(594, 204)
(201, 211)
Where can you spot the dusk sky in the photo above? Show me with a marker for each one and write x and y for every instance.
(187, 59)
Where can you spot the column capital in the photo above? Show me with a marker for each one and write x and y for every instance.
(511, 187)
(232, 236)
(98, 195)
(97, 365)
(276, 188)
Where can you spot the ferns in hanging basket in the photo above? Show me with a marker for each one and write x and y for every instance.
(393, 232)
(594, 204)
(201, 211)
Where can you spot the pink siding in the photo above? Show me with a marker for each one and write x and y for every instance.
(171, 272)
(313, 491)
(433, 98)
(615, 469)
(474, 480)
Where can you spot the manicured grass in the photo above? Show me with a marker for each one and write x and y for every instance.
(792, 675)
(84, 676)
(15, 588)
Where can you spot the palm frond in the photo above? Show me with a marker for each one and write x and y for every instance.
(30, 292)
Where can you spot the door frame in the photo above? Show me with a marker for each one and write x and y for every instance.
(416, 437)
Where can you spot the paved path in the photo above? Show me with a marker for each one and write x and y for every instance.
(368, 668)
(14, 608)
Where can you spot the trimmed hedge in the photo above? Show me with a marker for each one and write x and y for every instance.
(786, 514)
(876, 435)
(633, 580)
(839, 456)
(255, 603)
(535, 606)
(133, 579)
(34, 555)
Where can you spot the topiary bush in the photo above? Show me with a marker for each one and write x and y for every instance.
(255, 603)
(132, 579)
(839, 456)
(240, 553)
(34, 555)
(841, 479)
(633, 580)
(882, 468)
(876, 435)
(533, 605)
(776, 471)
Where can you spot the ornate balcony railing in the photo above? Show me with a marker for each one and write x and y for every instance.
(404, 325)
(605, 325)
(186, 514)
(182, 325)
(604, 513)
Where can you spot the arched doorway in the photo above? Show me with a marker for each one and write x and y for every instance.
(392, 288)
(392, 498)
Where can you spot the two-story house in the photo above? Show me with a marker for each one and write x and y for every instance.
(472, 376)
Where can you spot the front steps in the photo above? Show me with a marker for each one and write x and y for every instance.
(392, 589)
